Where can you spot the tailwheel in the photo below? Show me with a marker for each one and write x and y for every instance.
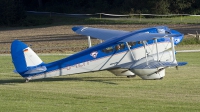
(27, 80)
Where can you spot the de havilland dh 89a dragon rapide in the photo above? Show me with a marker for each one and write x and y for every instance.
(145, 53)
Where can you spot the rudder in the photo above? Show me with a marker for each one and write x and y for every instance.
(24, 58)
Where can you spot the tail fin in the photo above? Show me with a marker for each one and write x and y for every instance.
(25, 59)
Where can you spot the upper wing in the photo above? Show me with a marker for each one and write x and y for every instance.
(125, 36)
(99, 33)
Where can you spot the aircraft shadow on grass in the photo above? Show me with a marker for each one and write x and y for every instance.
(105, 80)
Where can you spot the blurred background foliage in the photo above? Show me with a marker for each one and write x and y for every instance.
(13, 12)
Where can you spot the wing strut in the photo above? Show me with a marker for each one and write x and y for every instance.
(100, 40)
(173, 49)
(89, 41)
(145, 52)
(130, 51)
(157, 49)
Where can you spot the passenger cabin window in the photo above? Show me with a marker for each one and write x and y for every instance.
(117, 47)
(108, 49)
(131, 44)
(122, 45)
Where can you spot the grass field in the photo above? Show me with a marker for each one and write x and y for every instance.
(102, 91)
(98, 91)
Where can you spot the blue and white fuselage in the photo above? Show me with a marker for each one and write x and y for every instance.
(143, 52)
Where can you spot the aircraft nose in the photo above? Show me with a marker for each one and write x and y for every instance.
(177, 39)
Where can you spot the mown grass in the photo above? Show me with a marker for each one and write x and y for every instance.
(188, 47)
(189, 43)
(190, 40)
(102, 91)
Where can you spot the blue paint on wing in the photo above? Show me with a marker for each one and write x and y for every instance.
(103, 34)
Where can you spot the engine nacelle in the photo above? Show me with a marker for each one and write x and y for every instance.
(122, 72)
(150, 73)
(146, 67)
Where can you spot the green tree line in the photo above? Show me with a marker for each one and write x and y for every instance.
(116, 6)
(14, 11)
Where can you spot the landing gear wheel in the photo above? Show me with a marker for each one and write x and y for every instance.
(131, 76)
(158, 78)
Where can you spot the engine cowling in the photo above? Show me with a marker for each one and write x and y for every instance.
(150, 73)
(148, 68)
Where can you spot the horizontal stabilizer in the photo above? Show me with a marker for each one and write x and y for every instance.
(34, 70)
(182, 63)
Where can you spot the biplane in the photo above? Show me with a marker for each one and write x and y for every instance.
(146, 53)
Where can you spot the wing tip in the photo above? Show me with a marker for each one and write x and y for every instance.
(76, 28)
(17, 45)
